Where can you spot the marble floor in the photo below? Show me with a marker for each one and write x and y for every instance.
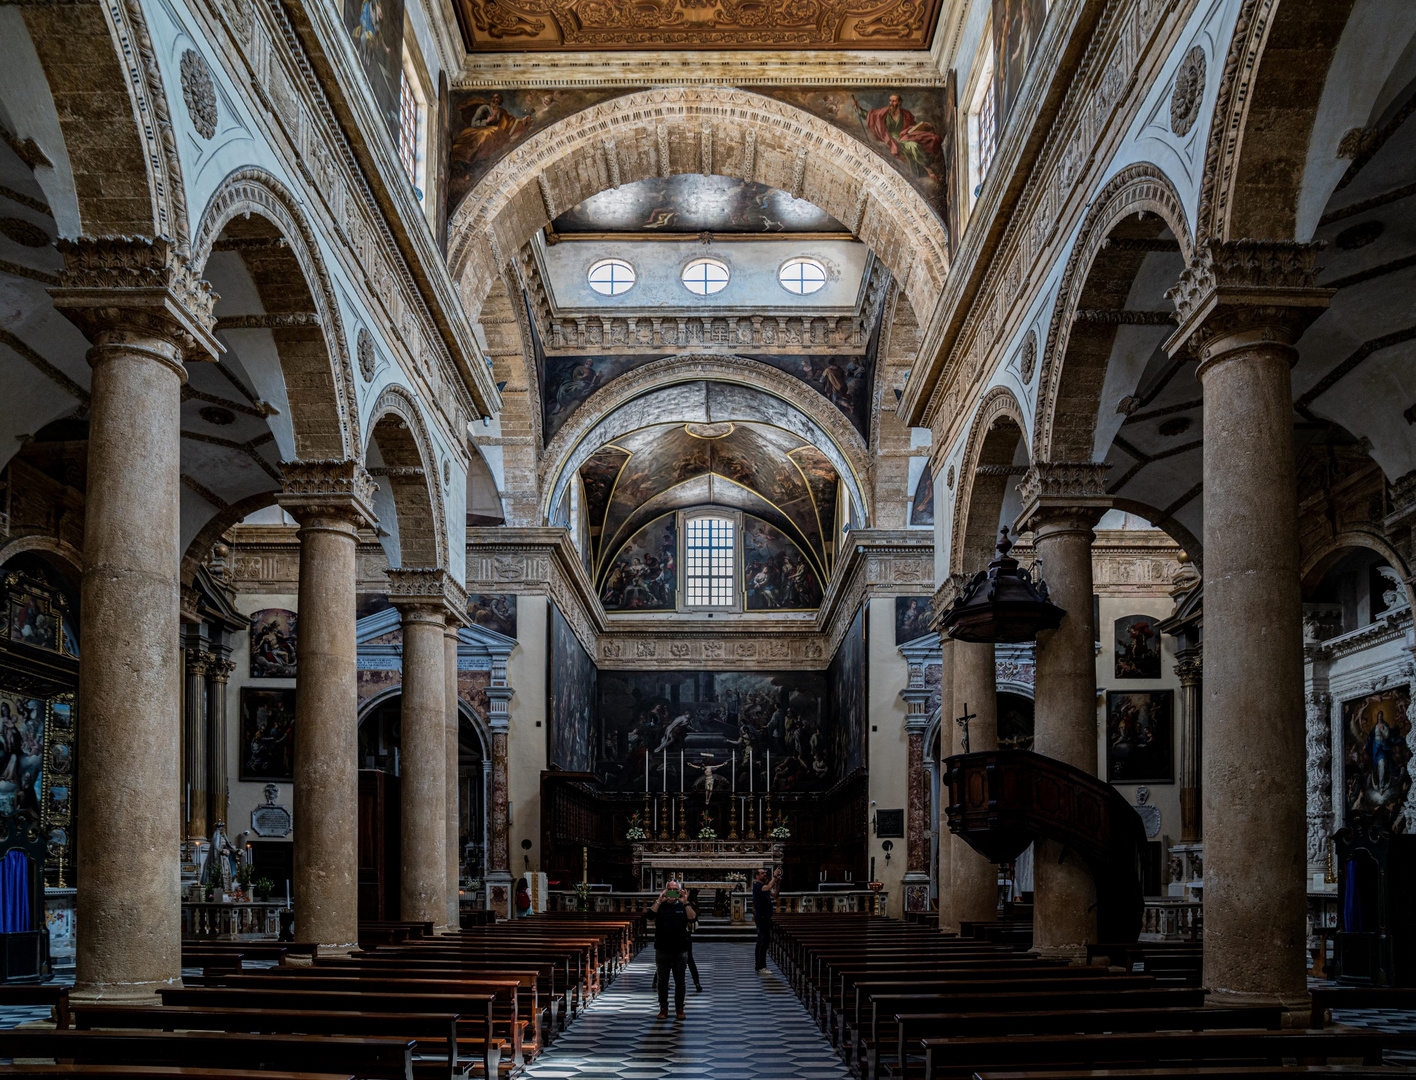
(743, 1024)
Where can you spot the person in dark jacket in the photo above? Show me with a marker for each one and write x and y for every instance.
(672, 913)
(764, 895)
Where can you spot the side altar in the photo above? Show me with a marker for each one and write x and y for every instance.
(703, 864)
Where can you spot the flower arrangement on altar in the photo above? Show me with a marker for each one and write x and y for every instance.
(582, 896)
(636, 829)
(738, 878)
(781, 832)
(707, 833)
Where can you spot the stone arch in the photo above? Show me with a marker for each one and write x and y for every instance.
(465, 712)
(210, 533)
(1321, 560)
(44, 544)
(259, 217)
(113, 112)
(695, 129)
(675, 370)
(993, 440)
(1189, 543)
(414, 476)
(1141, 203)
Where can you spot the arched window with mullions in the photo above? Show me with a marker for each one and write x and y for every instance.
(710, 561)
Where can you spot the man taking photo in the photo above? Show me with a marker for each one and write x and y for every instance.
(672, 914)
(764, 895)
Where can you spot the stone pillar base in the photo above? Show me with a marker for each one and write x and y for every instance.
(1076, 955)
(129, 995)
(1296, 1010)
(500, 897)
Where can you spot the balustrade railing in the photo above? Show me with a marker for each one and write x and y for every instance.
(231, 922)
(1172, 920)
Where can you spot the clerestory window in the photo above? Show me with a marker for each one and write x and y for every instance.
(710, 551)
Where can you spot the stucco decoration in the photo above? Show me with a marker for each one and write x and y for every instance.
(199, 93)
(367, 359)
(1027, 361)
(1189, 91)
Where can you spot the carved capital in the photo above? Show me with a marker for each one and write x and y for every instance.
(199, 662)
(339, 487)
(1242, 293)
(221, 670)
(420, 591)
(1064, 495)
(1190, 671)
(126, 291)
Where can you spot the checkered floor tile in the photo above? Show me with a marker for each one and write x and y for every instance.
(742, 1024)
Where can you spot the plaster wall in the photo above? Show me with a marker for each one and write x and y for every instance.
(889, 745)
(528, 672)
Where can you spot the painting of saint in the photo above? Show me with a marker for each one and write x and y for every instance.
(33, 622)
(573, 378)
(776, 576)
(913, 615)
(1016, 26)
(913, 142)
(643, 575)
(922, 508)
(273, 643)
(21, 754)
(1137, 648)
(1140, 737)
(846, 677)
(493, 611)
(573, 674)
(377, 29)
(1375, 733)
(843, 380)
(267, 734)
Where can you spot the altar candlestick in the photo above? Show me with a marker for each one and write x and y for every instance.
(734, 772)
(665, 768)
(646, 774)
(680, 772)
(750, 778)
(769, 770)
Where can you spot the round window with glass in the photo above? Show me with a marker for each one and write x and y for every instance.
(611, 277)
(704, 277)
(802, 276)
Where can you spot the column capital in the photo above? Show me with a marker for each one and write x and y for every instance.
(1190, 670)
(420, 591)
(1239, 293)
(328, 487)
(221, 670)
(140, 293)
(1064, 495)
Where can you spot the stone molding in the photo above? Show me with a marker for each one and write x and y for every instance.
(137, 284)
(331, 485)
(415, 586)
(1064, 494)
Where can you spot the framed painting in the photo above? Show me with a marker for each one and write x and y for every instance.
(1375, 730)
(913, 616)
(267, 734)
(273, 643)
(1140, 736)
(1137, 648)
(493, 611)
(22, 721)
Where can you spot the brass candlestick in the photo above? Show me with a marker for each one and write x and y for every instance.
(767, 816)
(733, 829)
(648, 820)
(683, 814)
(752, 821)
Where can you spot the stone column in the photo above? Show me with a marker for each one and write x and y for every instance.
(1061, 504)
(450, 759)
(218, 672)
(142, 307)
(419, 597)
(330, 500)
(948, 923)
(916, 881)
(973, 880)
(1190, 671)
(1242, 306)
(498, 874)
(194, 746)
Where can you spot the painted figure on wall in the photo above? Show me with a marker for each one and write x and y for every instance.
(1137, 648)
(913, 616)
(847, 680)
(273, 636)
(906, 139)
(1140, 737)
(776, 575)
(1375, 732)
(643, 575)
(493, 611)
(376, 27)
(34, 622)
(267, 734)
(922, 508)
(573, 677)
(21, 754)
(1016, 26)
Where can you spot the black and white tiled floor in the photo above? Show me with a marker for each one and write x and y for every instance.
(743, 1024)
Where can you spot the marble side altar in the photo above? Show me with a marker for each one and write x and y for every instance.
(702, 864)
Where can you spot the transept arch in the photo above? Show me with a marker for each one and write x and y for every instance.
(998, 429)
(1134, 215)
(693, 129)
(1323, 558)
(255, 215)
(410, 467)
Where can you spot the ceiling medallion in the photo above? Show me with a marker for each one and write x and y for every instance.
(365, 349)
(1029, 359)
(709, 431)
(199, 93)
(1189, 89)
(215, 414)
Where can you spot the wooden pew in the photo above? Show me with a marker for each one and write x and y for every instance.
(152, 1072)
(1214, 1072)
(35, 994)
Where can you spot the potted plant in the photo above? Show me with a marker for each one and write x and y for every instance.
(707, 833)
(245, 872)
(781, 832)
(636, 829)
(582, 896)
(263, 887)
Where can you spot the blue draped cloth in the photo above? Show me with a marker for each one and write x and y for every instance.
(15, 914)
(1352, 913)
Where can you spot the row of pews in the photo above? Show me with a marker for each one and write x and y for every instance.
(478, 1003)
(901, 1000)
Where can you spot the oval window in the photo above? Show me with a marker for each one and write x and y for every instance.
(704, 277)
(802, 276)
(611, 277)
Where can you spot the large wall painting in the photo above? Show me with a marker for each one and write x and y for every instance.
(1137, 647)
(1375, 731)
(573, 675)
(643, 574)
(908, 126)
(493, 611)
(847, 680)
(267, 734)
(22, 721)
(843, 380)
(776, 576)
(922, 507)
(1140, 736)
(570, 379)
(693, 203)
(488, 124)
(710, 716)
(913, 615)
(37, 613)
(1016, 26)
(273, 635)
(377, 29)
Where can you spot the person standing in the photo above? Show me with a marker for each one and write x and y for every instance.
(764, 896)
(672, 913)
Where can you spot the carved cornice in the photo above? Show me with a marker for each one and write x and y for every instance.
(136, 284)
(413, 584)
(1238, 292)
(328, 486)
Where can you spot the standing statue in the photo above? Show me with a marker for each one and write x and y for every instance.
(219, 871)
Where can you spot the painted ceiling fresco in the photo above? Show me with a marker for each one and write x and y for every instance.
(694, 203)
(548, 25)
(763, 470)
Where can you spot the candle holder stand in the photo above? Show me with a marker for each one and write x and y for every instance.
(733, 828)
(767, 815)
(752, 818)
(682, 816)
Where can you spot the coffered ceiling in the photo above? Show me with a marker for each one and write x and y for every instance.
(551, 25)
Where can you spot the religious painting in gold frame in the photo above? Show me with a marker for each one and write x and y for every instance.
(35, 615)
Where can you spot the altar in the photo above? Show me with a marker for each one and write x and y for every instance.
(703, 864)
